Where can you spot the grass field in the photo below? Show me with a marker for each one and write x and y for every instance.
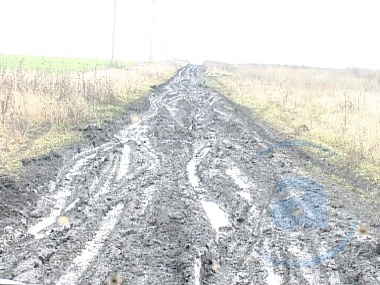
(41, 104)
(55, 64)
(335, 108)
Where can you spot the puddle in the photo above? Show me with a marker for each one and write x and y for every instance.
(192, 167)
(72, 205)
(245, 195)
(218, 218)
(197, 271)
(240, 181)
(124, 162)
(237, 176)
(273, 279)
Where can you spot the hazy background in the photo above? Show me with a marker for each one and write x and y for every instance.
(325, 33)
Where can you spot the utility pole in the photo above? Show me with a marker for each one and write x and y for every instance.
(113, 33)
(151, 34)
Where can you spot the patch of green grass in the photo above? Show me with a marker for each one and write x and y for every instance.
(57, 137)
(103, 112)
(106, 111)
(56, 64)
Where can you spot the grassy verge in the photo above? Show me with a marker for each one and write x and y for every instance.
(336, 108)
(39, 107)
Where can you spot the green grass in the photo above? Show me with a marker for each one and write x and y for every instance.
(56, 64)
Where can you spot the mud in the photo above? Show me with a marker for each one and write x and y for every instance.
(173, 193)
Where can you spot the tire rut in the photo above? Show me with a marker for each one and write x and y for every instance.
(176, 197)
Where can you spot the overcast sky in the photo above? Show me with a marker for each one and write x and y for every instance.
(326, 33)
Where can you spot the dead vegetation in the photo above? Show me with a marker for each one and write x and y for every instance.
(336, 108)
(39, 107)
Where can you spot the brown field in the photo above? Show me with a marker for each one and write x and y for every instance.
(39, 107)
(337, 108)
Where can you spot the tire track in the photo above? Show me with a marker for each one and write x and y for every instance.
(176, 198)
(92, 248)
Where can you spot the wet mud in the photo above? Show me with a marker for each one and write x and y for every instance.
(174, 192)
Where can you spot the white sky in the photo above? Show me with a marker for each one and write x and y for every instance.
(326, 33)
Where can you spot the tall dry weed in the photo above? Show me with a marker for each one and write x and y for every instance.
(337, 108)
(36, 102)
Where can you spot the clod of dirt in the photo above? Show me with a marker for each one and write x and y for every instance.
(114, 280)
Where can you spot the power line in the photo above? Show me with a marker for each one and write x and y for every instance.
(151, 34)
(113, 32)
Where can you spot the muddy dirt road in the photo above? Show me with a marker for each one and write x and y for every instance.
(184, 194)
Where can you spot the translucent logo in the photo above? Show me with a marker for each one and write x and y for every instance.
(308, 210)
(305, 210)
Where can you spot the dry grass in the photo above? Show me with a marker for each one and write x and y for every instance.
(39, 107)
(336, 108)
